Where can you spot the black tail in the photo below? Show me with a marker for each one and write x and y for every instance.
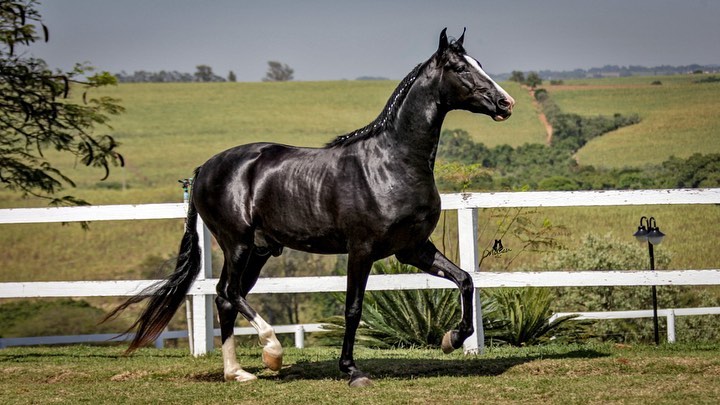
(167, 295)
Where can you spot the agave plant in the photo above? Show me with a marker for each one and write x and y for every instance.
(414, 318)
(523, 315)
(410, 318)
(419, 318)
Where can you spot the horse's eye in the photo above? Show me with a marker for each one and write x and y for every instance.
(460, 68)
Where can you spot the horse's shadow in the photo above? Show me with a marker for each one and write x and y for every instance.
(402, 368)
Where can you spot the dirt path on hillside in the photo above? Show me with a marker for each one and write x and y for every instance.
(541, 116)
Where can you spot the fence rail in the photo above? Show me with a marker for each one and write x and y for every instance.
(298, 330)
(466, 204)
(669, 314)
(380, 282)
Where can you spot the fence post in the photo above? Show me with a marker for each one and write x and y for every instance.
(160, 341)
(671, 326)
(202, 330)
(467, 245)
(299, 337)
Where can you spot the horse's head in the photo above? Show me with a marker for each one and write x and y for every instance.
(464, 85)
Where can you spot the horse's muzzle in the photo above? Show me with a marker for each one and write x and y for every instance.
(505, 107)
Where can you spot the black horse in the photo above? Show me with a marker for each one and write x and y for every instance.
(369, 193)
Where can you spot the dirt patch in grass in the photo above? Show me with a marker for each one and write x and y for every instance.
(129, 375)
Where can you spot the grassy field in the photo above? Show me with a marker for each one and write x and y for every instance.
(567, 374)
(679, 117)
(169, 129)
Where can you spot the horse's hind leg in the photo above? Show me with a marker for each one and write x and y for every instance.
(240, 272)
(227, 315)
(231, 368)
(427, 258)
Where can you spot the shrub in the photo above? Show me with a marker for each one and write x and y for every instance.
(606, 253)
(560, 183)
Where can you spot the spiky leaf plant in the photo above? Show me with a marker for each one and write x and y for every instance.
(524, 314)
(414, 318)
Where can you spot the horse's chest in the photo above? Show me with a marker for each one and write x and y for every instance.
(410, 217)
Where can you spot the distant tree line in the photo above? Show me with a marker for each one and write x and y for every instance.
(277, 72)
(532, 79)
(203, 73)
(619, 71)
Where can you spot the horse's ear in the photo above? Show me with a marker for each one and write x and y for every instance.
(442, 46)
(462, 37)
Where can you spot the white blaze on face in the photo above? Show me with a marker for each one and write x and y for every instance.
(502, 91)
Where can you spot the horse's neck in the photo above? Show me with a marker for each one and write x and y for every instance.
(417, 126)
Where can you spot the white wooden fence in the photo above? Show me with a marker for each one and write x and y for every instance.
(669, 314)
(297, 330)
(466, 204)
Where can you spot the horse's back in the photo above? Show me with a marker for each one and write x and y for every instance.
(223, 186)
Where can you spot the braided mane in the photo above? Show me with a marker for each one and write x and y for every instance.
(386, 119)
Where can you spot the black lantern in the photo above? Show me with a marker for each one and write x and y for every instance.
(649, 232)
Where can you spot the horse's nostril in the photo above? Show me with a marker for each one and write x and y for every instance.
(504, 103)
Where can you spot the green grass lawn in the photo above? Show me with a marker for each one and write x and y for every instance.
(593, 373)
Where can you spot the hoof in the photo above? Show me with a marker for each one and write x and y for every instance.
(362, 381)
(272, 361)
(446, 345)
(240, 375)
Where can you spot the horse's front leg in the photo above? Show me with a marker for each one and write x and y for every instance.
(428, 258)
(357, 276)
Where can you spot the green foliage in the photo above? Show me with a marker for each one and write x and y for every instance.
(696, 171)
(278, 72)
(554, 167)
(460, 177)
(533, 80)
(517, 76)
(573, 131)
(36, 116)
(522, 315)
(522, 230)
(413, 318)
(420, 318)
(709, 79)
(560, 183)
(204, 73)
(606, 253)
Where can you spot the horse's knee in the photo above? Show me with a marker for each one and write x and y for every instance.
(465, 281)
(223, 304)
